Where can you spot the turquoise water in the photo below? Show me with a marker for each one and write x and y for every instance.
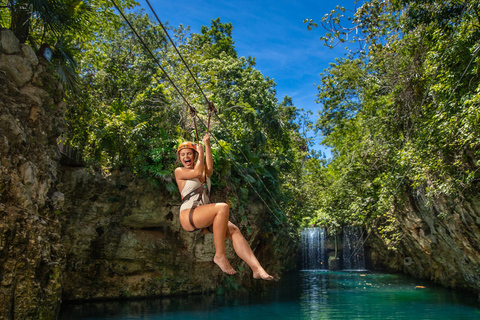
(303, 295)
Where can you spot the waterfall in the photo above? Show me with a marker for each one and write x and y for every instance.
(313, 248)
(353, 251)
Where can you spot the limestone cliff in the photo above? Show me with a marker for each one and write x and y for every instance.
(123, 239)
(439, 242)
(31, 119)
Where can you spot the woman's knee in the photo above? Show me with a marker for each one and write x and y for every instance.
(232, 229)
(223, 209)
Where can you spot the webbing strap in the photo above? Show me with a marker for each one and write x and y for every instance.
(198, 191)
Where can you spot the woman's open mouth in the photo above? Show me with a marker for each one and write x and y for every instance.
(188, 162)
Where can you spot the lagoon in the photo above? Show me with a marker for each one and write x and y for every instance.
(300, 295)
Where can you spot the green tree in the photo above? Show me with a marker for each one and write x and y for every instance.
(399, 112)
(51, 18)
(130, 116)
(217, 39)
(123, 116)
(64, 25)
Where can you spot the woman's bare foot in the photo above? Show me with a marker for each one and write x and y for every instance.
(262, 274)
(223, 263)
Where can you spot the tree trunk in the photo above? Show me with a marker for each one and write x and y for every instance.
(20, 25)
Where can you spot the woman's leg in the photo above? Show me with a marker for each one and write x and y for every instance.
(215, 214)
(243, 250)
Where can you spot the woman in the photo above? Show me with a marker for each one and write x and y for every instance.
(198, 215)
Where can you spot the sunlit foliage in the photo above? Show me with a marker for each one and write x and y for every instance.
(400, 111)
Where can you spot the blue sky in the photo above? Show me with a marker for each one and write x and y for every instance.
(273, 32)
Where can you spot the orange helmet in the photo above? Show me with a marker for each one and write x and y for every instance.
(187, 145)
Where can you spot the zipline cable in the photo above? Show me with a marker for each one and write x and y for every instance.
(211, 107)
(246, 159)
(178, 52)
(241, 170)
(192, 109)
(209, 103)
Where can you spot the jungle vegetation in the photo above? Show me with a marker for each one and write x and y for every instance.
(400, 111)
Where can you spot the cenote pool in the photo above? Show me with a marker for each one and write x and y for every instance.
(301, 295)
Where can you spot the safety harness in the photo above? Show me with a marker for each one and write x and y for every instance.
(199, 192)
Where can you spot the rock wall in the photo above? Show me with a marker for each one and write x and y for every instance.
(124, 239)
(439, 242)
(31, 119)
